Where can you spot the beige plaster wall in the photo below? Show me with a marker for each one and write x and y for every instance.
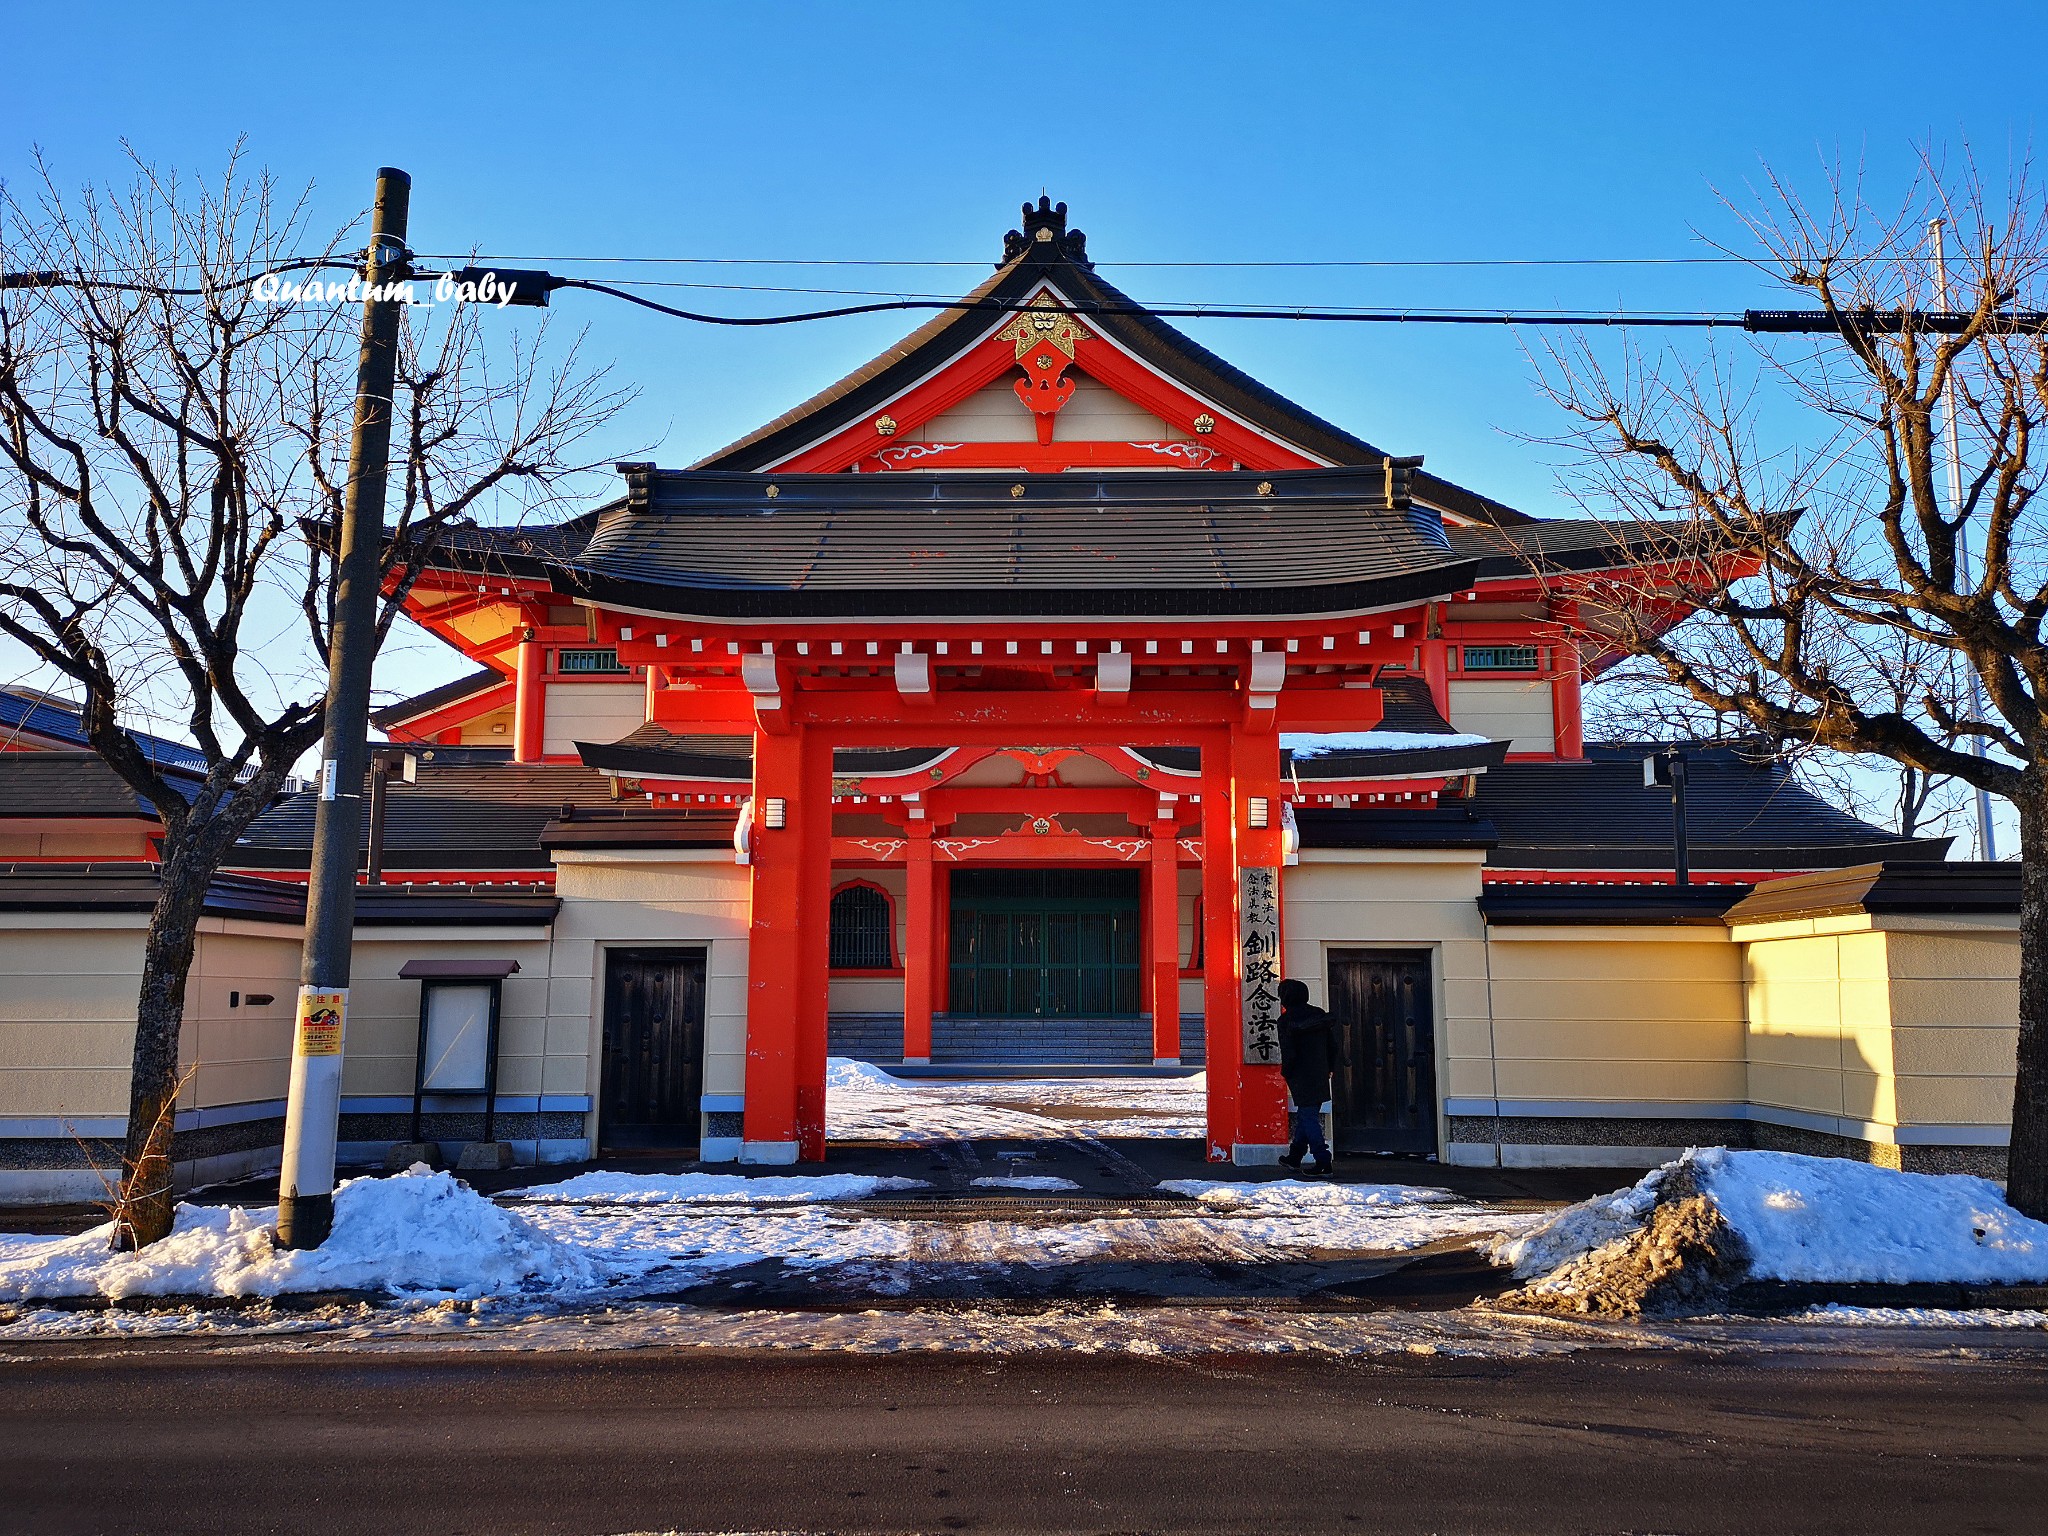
(67, 1013)
(1882, 1024)
(1616, 1017)
(1514, 710)
(592, 711)
(239, 1052)
(489, 730)
(384, 1010)
(617, 899)
(1955, 1003)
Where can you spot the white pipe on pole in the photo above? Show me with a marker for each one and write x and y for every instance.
(1987, 842)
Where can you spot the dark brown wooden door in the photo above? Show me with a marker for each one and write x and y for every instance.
(653, 1048)
(1384, 1096)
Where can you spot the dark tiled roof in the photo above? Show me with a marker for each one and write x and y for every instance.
(526, 549)
(627, 825)
(1409, 710)
(1742, 813)
(655, 752)
(1892, 886)
(1449, 827)
(1407, 706)
(466, 811)
(1563, 544)
(133, 888)
(438, 698)
(1686, 906)
(28, 717)
(1061, 260)
(1082, 543)
(66, 784)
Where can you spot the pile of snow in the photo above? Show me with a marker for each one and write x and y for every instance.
(418, 1233)
(844, 1072)
(1324, 743)
(1039, 1181)
(723, 1188)
(1772, 1216)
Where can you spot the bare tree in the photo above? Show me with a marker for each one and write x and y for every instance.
(1856, 614)
(172, 461)
(1637, 702)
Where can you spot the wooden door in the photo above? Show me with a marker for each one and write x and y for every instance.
(1384, 1094)
(653, 1049)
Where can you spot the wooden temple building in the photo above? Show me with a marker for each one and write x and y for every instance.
(1042, 692)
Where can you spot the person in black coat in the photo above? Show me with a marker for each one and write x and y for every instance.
(1310, 1051)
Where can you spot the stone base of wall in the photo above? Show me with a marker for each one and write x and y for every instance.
(40, 1169)
(1532, 1140)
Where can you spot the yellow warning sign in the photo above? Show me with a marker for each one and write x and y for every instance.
(322, 1017)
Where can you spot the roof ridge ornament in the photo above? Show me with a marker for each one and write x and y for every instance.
(1045, 235)
(1044, 335)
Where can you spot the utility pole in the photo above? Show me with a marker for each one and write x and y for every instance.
(305, 1208)
(1987, 843)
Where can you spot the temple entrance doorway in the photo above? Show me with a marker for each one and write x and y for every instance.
(1384, 1095)
(653, 1049)
(1044, 968)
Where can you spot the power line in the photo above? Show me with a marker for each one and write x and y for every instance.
(1406, 263)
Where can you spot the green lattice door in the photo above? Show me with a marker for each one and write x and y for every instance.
(1054, 943)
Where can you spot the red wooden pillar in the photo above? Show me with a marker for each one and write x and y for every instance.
(1256, 790)
(1222, 1019)
(529, 703)
(920, 944)
(1163, 969)
(1565, 703)
(814, 944)
(774, 966)
(1435, 673)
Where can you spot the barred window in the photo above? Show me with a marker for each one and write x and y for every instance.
(863, 929)
(1500, 658)
(588, 661)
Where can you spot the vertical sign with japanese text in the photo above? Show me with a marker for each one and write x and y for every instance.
(1258, 947)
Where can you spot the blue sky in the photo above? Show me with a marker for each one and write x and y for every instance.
(1186, 132)
(1183, 132)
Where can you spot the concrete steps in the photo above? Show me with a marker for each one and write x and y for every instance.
(1114, 1041)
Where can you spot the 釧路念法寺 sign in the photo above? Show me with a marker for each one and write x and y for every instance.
(1258, 949)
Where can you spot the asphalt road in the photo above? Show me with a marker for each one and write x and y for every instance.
(179, 1440)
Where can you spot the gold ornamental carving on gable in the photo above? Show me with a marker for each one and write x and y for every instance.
(1045, 336)
(1043, 323)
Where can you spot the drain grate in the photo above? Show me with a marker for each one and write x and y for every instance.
(939, 1206)
(945, 1207)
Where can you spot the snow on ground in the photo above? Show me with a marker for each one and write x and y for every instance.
(1924, 1317)
(1065, 1327)
(672, 1188)
(665, 1248)
(416, 1233)
(864, 1103)
(619, 1236)
(1814, 1219)
(1380, 1218)
(1039, 1181)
